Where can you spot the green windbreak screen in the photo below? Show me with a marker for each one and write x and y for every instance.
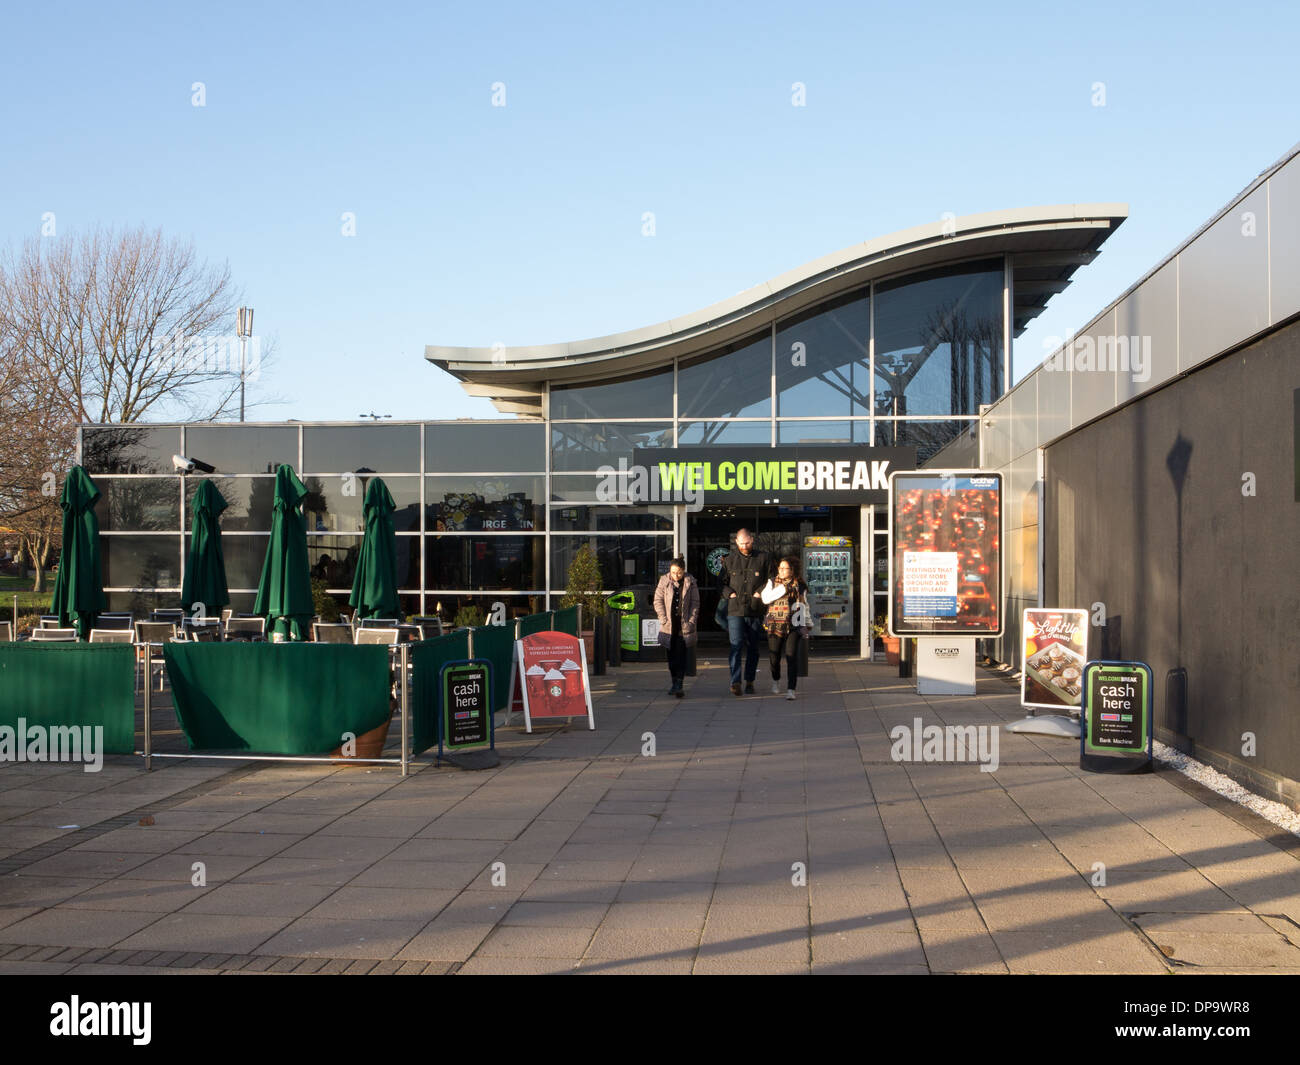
(277, 698)
(427, 659)
(70, 684)
(566, 620)
(496, 643)
(534, 623)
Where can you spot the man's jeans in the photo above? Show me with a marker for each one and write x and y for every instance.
(744, 632)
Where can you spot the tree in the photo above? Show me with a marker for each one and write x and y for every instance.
(584, 584)
(106, 326)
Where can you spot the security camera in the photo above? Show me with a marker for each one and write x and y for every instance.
(184, 465)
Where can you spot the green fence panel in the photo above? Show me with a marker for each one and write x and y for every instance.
(427, 659)
(69, 685)
(277, 698)
(534, 623)
(496, 643)
(566, 620)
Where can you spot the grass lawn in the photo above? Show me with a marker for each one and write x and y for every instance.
(29, 602)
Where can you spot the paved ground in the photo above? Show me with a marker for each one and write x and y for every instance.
(762, 836)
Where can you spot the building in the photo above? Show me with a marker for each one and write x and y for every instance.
(894, 345)
(1151, 465)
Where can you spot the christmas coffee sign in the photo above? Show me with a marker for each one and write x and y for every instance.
(550, 671)
(1055, 651)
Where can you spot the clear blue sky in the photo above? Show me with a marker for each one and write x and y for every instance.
(522, 224)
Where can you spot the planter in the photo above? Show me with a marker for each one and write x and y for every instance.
(589, 643)
(891, 648)
(368, 745)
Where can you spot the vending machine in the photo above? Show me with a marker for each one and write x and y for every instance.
(828, 570)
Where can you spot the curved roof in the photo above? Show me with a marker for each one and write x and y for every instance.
(1047, 245)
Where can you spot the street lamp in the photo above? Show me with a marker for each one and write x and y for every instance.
(244, 330)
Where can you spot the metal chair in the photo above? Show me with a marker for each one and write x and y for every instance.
(149, 638)
(111, 636)
(429, 626)
(205, 634)
(379, 623)
(226, 615)
(376, 636)
(191, 625)
(246, 629)
(49, 621)
(173, 615)
(6, 632)
(325, 632)
(116, 621)
(54, 635)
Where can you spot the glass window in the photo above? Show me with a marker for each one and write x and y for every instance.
(141, 561)
(449, 607)
(335, 503)
(646, 396)
(565, 488)
(470, 563)
(244, 556)
(721, 434)
(489, 447)
(243, 448)
(823, 365)
(333, 559)
(814, 432)
(250, 502)
(624, 560)
(612, 519)
(927, 437)
(371, 448)
(939, 343)
(127, 449)
(475, 504)
(133, 504)
(588, 446)
(735, 383)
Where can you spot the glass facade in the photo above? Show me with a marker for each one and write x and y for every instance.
(495, 510)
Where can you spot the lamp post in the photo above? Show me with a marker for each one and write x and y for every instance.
(244, 330)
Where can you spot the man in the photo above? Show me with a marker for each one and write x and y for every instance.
(744, 574)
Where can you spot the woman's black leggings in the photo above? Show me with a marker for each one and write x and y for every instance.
(788, 646)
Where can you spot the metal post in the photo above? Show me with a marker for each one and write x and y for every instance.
(406, 713)
(148, 718)
(243, 347)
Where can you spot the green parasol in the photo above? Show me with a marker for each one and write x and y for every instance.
(205, 570)
(374, 590)
(284, 592)
(79, 585)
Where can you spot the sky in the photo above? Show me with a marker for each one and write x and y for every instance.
(497, 161)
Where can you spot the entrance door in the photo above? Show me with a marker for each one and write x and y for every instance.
(779, 531)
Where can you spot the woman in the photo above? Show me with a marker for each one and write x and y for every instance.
(786, 622)
(677, 602)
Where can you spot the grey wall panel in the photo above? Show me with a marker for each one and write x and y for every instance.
(1223, 283)
(1024, 416)
(1198, 580)
(995, 429)
(1149, 317)
(1053, 405)
(1089, 362)
(1284, 240)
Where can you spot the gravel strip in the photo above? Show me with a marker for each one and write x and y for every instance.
(1274, 812)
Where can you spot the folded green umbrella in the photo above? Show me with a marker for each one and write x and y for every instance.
(374, 589)
(284, 591)
(205, 569)
(79, 586)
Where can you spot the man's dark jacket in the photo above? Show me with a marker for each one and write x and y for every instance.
(745, 575)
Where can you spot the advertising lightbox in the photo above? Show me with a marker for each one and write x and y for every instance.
(945, 559)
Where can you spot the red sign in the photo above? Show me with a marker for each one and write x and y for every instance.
(551, 673)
